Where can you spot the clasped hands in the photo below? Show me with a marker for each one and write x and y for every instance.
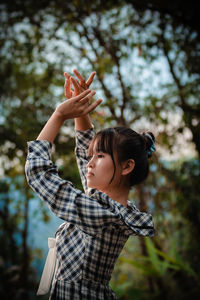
(78, 101)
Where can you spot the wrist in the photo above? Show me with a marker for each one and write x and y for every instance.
(51, 128)
(58, 116)
(83, 123)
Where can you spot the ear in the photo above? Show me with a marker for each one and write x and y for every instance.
(128, 166)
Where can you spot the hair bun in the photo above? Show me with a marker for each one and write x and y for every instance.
(150, 143)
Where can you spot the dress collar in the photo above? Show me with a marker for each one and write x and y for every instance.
(140, 223)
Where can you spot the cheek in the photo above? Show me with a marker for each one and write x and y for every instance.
(105, 170)
(108, 169)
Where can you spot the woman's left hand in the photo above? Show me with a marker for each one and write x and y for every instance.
(77, 106)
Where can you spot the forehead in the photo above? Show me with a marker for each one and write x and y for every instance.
(97, 144)
(102, 143)
(94, 146)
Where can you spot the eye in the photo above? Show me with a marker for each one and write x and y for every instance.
(100, 155)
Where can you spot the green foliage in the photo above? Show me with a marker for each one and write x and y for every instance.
(148, 74)
(157, 267)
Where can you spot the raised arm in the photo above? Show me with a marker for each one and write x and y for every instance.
(75, 107)
(83, 125)
(62, 198)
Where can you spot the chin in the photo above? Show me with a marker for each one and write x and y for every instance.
(92, 186)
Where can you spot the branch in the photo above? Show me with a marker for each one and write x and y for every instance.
(112, 52)
(171, 66)
(105, 89)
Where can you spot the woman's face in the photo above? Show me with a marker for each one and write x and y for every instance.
(101, 170)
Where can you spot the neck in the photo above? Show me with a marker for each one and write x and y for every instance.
(118, 194)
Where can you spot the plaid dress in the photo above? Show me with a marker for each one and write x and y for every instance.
(96, 227)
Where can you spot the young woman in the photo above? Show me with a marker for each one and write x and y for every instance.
(99, 221)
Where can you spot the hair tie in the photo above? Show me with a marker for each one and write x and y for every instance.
(152, 148)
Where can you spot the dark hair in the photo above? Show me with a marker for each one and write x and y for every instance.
(127, 144)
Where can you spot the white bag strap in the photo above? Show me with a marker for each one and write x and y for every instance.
(48, 271)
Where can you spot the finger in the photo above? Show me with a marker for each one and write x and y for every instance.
(90, 79)
(87, 98)
(75, 82)
(67, 89)
(93, 106)
(76, 85)
(82, 95)
(79, 76)
(80, 87)
(66, 75)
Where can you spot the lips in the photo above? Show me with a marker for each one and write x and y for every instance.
(90, 174)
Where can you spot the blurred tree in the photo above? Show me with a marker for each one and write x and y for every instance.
(107, 41)
(17, 276)
(182, 12)
(127, 47)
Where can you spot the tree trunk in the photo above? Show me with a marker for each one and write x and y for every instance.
(143, 197)
(25, 250)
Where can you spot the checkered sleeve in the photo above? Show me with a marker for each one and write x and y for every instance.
(60, 195)
(83, 139)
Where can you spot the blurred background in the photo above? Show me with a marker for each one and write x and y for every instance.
(147, 58)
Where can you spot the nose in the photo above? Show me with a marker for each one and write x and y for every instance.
(91, 163)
